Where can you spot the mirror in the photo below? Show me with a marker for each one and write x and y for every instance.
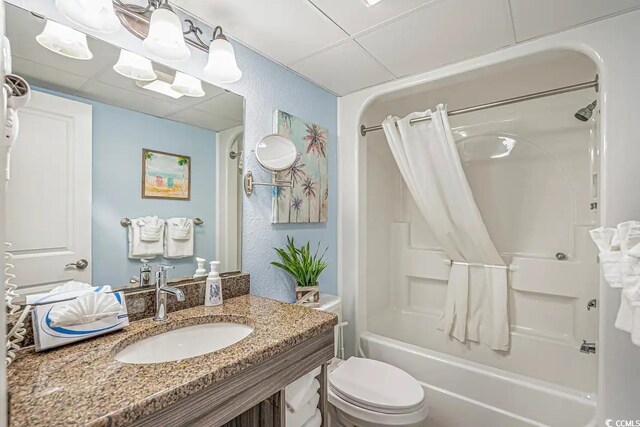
(110, 137)
(275, 153)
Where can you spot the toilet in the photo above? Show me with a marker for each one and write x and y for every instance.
(370, 393)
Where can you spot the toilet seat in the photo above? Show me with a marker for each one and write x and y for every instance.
(376, 392)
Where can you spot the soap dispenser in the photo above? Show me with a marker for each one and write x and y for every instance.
(200, 271)
(213, 293)
(145, 273)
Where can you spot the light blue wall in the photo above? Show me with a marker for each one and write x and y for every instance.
(119, 135)
(118, 139)
(266, 86)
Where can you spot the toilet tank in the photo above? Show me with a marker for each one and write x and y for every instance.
(333, 304)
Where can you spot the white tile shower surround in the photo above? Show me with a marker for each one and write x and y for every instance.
(344, 46)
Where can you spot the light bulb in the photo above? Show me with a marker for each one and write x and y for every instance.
(93, 15)
(65, 41)
(165, 39)
(222, 66)
(134, 67)
(187, 85)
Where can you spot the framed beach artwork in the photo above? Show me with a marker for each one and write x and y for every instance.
(307, 200)
(165, 175)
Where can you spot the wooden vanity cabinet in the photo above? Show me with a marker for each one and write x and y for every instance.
(255, 396)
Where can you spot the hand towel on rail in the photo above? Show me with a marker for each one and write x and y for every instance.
(146, 237)
(608, 244)
(179, 238)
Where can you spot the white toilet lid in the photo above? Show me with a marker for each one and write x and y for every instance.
(376, 386)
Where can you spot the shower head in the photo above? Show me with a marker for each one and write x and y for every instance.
(585, 113)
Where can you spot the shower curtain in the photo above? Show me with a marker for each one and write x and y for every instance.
(426, 154)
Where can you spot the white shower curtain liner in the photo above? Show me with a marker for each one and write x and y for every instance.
(426, 154)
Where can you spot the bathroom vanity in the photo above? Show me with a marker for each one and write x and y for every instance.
(239, 385)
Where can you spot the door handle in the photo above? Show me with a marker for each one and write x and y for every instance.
(81, 264)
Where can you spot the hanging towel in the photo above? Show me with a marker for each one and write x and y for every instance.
(295, 392)
(305, 413)
(629, 313)
(428, 159)
(179, 238)
(315, 421)
(146, 237)
(608, 244)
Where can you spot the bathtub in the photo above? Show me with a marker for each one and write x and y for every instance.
(461, 393)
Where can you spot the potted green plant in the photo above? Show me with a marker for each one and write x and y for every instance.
(305, 268)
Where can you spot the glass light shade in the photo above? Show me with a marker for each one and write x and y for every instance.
(222, 66)
(165, 39)
(65, 41)
(134, 67)
(187, 85)
(160, 86)
(94, 15)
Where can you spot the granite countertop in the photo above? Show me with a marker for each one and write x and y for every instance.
(82, 384)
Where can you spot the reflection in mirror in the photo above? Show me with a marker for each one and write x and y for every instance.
(111, 136)
(276, 153)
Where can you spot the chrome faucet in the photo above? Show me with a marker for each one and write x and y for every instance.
(162, 289)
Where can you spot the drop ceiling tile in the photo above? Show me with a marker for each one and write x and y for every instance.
(227, 105)
(355, 16)
(119, 97)
(285, 30)
(46, 77)
(22, 29)
(203, 120)
(343, 68)
(439, 34)
(536, 18)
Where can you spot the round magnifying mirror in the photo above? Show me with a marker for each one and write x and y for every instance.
(276, 153)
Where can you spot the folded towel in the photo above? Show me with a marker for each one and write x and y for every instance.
(315, 421)
(609, 246)
(146, 237)
(629, 234)
(296, 391)
(624, 319)
(305, 413)
(179, 238)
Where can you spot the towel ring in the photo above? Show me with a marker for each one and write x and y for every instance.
(125, 222)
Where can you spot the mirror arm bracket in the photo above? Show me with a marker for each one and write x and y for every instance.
(249, 183)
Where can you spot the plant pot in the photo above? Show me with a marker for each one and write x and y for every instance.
(309, 296)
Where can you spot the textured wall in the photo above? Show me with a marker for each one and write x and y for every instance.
(266, 86)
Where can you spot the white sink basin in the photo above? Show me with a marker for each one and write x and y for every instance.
(184, 343)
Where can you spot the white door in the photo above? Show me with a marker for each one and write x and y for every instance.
(48, 213)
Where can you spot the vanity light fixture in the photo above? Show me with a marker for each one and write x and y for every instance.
(64, 41)
(166, 39)
(134, 67)
(93, 15)
(222, 66)
(187, 85)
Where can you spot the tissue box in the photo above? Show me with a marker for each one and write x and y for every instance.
(48, 336)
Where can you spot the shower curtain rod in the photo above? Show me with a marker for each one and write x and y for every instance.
(565, 89)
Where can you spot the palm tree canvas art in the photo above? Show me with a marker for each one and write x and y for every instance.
(307, 200)
(165, 175)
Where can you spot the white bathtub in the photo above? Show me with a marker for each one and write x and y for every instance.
(461, 393)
